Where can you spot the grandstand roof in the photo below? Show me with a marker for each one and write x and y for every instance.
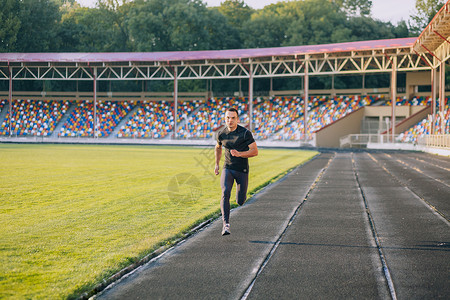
(206, 55)
(435, 38)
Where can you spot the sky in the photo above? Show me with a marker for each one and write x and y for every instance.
(384, 10)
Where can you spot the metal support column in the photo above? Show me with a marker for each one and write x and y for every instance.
(10, 99)
(433, 99)
(393, 96)
(441, 96)
(95, 103)
(250, 97)
(175, 99)
(306, 96)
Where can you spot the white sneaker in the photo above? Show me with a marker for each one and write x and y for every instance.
(226, 229)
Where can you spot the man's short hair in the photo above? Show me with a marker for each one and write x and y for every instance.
(233, 109)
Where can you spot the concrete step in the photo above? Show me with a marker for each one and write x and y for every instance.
(4, 112)
(123, 122)
(63, 120)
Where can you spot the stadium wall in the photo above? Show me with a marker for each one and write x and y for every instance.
(402, 112)
(416, 79)
(413, 119)
(328, 136)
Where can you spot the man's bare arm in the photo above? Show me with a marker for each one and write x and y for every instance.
(217, 155)
(251, 152)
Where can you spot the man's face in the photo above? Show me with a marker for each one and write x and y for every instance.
(231, 119)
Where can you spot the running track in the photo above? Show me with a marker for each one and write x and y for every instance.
(344, 225)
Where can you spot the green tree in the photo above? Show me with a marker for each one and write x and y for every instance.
(9, 18)
(268, 26)
(324, 23)
(66, 5)
(83, 30)
(71, 29)
(355, 7)
(364, 28)
(94, 29)
(146, 27)
(39, 26)
(297, 23)
(401, 30)
(178, 25)
(187, 24)
(221, 34)
(114, 13)
(237, 12)
(316, 22)
(425, 10)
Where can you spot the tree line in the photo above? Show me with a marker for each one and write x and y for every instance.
(188, 25)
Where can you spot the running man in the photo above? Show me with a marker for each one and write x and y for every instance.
(239, 146)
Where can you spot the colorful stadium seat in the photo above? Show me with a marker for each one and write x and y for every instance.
(424, 127)
(153, 119)
(277, 118)
(209, 117)
(33, 118)
(411, 102)
(321, 113)
(81, 122)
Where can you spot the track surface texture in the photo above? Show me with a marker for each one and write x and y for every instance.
(344, 225)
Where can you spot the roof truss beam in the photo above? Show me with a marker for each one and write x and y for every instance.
(371, 61)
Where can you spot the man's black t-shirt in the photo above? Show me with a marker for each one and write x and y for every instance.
(239, 139)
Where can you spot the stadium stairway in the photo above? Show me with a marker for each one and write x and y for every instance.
(4, 112)
(183, 122)
(124, 121)
(380, 102)
(63, 121)
(272, 137)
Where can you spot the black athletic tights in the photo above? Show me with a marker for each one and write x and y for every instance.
(226, 182)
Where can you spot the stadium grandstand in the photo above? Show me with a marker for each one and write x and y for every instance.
(381, 117)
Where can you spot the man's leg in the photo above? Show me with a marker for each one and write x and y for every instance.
(226, 182)
(241, 186)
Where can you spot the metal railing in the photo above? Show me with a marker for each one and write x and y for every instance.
(441, 141)
(361, 140)
(435, 141)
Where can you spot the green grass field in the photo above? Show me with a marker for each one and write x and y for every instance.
(71, 215)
